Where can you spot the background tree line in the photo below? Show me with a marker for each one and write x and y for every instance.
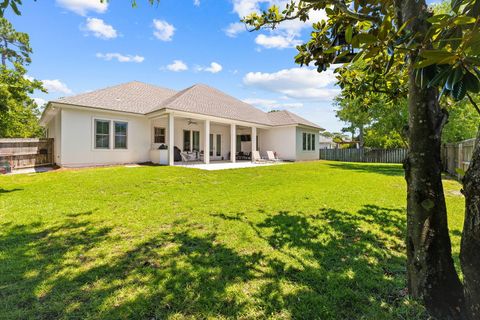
(19, 113)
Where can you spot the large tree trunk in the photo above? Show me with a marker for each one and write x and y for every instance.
(470, 251)
(431, 272)
(361, 137)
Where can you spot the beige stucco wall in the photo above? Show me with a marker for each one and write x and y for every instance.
(77, 139)
(302, 155)
(279, 140)
(73, 131)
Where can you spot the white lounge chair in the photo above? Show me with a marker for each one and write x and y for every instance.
(188, 156)
(271, 156)
(257, 158)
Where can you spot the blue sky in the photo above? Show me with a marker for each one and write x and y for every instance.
(83, 45)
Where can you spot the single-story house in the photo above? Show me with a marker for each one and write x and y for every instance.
(128, 123)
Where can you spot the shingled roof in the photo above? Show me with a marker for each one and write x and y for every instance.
(142, 98)
(206, 100)
(133, 97)
(284, 118)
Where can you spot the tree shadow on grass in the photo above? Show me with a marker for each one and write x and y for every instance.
(334, 264)
(329, 265)
(30, 255)
(388, 170)
(8, 191)
(55, 272)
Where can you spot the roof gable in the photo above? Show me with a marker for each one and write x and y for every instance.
(284, 118)
(206, 100)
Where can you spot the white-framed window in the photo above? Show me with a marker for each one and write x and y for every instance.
(159, 135)
(308, 141)
(102, 134)
(121, 134)
(196, 140)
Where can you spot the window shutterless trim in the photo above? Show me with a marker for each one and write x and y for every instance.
(115, 135)
(161, 135)
(96, 121)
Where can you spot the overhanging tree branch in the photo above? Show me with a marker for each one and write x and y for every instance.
(345, 10)
(473, 103)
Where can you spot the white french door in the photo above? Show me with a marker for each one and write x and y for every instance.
(215, 146)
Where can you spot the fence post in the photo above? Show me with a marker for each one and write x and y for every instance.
(460, 157)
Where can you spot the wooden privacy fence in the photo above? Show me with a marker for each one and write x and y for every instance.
(457, 156)
(25, 153)
(364, 155)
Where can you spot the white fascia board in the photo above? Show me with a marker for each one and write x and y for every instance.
(198, 116)
(78, 107)
(48, 113)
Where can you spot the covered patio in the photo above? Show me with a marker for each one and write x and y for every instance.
(192, 134)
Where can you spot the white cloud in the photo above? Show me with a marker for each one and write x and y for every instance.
(270, 104)
(177, 66)
(100, 29)
(286, 33)
(244, 7)
(163, 30)
(213, 68)
(278, 42)
(234, 29)
(40, 102)
(82, 7)
(120, 57)
(56, 86)
(296, 83)
(196, 3)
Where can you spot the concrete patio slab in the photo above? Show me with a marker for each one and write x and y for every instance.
(226, 165)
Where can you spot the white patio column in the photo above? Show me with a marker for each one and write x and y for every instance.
(206, 152)
(233, 142)
(254, 140)
(171, 139)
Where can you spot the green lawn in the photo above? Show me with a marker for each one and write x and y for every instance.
(319, 240)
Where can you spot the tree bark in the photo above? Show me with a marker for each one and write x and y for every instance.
(361, 138)
(431, 273)
(470, 249)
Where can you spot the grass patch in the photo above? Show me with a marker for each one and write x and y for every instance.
(318, 240)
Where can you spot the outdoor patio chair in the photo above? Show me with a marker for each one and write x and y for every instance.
(272, 157)
(257, 158)
(188, 156)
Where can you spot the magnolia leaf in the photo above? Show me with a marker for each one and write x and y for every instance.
(436, 54)
(438, 18)
(348, 34)
(453, 78)
(365, 38)
(456, 5)
(423, 63)
(439, 77)
(472, 83)
(461, 20)
(459, 90)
